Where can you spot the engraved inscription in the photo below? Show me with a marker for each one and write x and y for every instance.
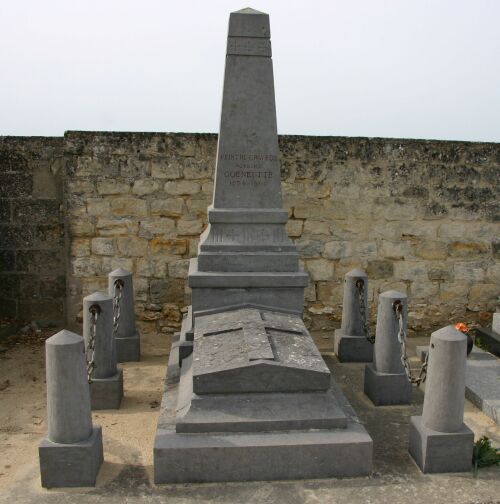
(248, 169)
(249, 46)
(247, 177)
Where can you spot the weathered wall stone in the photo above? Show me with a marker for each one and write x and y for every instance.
(422, 217)
(32, 238)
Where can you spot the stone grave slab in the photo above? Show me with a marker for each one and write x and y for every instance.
(255, 351)
(482, 382)
(239, 426)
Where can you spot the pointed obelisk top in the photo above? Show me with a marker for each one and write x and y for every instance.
(249, 22)
(248, 10)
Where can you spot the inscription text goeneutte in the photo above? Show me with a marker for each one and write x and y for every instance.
(248, 168)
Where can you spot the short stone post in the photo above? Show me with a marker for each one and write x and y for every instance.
(385, 379)
(350, 342)
(71, 453)
(106, 388)
(128, 343)
(439, 439)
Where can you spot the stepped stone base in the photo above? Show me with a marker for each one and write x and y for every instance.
(180, 458)
(71, 465)
(211, 437)
(352, 348)
(440, 452)
(219, 291)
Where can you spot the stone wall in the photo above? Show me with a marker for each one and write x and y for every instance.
(137, 201)
(32, 257)
(421, 216)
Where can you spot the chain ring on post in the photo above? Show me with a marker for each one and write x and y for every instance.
(422, 375)
(360, 285)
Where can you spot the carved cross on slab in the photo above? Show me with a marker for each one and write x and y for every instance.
(255, 350)
(256, 327)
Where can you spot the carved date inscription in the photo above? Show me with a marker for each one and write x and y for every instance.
(248, 168)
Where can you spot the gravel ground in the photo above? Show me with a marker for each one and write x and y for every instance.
(126, 475)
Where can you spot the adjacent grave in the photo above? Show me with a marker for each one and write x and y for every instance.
(482, 382)
(490, 338)
(248, 396)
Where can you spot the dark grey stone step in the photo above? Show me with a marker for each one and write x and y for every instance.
(248, 261)
(262, 412)
(490, 340)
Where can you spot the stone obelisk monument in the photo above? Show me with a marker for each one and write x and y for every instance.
(245, 256)
(248, 395)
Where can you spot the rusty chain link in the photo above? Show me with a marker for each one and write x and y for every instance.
(360, 285)
(422, 375)
(94, 311)
(117, 298)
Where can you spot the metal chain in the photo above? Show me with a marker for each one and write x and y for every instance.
(117, 298)
(94, 311)
(422, 375)
(360, 285)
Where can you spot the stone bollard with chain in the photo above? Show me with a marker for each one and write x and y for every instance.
(105, 378)
(128, 343)
(352, 341)
(386, 381)
(439, 439)
(71, 453)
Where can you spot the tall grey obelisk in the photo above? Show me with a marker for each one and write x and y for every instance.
(245, 256)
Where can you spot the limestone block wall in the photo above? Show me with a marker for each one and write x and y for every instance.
(421, 216)
(32, 238)
(137, 201)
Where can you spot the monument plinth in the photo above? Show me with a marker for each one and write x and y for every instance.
(248, 395)
(245, 243)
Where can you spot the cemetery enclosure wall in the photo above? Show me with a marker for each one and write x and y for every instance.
(420, 216)
(32, 257)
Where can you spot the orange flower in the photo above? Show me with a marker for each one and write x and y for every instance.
(461, 327)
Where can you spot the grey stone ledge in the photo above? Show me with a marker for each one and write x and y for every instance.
(247, 216)
(244, 279)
